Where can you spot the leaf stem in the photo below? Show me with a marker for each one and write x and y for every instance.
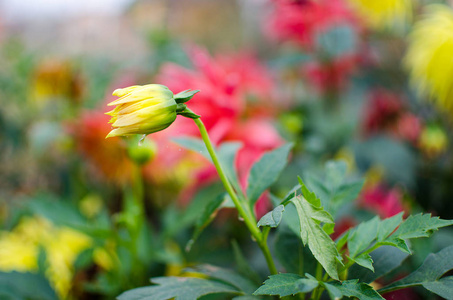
(243, 209)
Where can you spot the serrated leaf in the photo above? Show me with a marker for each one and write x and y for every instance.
(179, 288)
(365, 261)
(266, 171)
(387, 226)
(385, 260)
(286, 284)
(362, 236)
(421, 225)
(434, 266)
(206, 217)
(354, 288)
(319, 242)
(442, 287)
(228, 276)
(272, 218)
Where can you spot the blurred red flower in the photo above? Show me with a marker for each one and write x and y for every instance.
(235, 104)
(386, 112)
(381, 200)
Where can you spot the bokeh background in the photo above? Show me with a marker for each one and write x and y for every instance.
(366, 82)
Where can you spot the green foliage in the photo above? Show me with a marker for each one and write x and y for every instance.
(429, 274)
(382, 232)
(272, 218)
(24, 286)
(225, 275)
(385, 260)
(354, 288)
(333, 188)
(311, 214)
(266, 171)
(206, 217)
(286, 284)
(179, 288)
(194, 144)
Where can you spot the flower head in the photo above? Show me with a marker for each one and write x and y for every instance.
(383, 13)
(142, 110)
(429, 56)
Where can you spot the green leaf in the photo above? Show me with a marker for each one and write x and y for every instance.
(365, 261)
(194, 144)
(286, 284)
(361, 236)
(334, 189)
(185, 96)
(242, 265)
(442, 287)
(434, 266)
(387, 226)
(290, 251)
(272, 218)
(354, 288)
(266, 171)
(319, 242)
(179, 288)
(206, 217)
(228, 276)
(385, 260)
(334, 292)
(421, 225)
(24, 286)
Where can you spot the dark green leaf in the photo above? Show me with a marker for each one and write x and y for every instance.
(385, 260)
(180, 288)
(387, 226)
(242, 265)
(421, 225)
(227, 276)
(266, 171)
(334, 292)
(442, 287)
(272, 218)
(430, 271)
(286, 284)
(352, 288)
(206, 218)
(185, 96)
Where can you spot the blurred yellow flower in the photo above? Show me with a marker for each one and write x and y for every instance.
(17, 253)
(383, 13)
(62, 251)
(142, 110)
(429, 56)
(19, 250)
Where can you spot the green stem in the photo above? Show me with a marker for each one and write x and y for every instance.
(243, 209)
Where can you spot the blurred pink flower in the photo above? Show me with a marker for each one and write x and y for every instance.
(409, 127)
(381, 200)
(226, 82)
(300, 21)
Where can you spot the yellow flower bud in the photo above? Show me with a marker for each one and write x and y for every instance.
(142, 110)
